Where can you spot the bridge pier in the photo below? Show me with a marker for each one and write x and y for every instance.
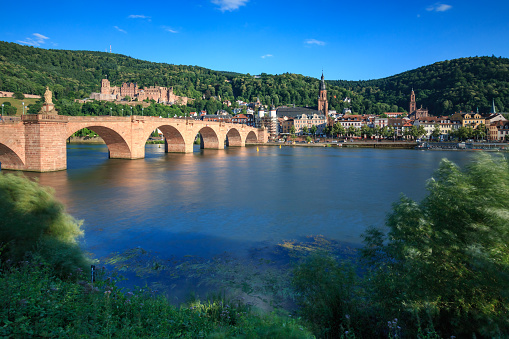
(211, 144)
(177, 148)
(45, 148)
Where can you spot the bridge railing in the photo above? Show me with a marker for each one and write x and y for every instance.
(44, 117)
(9, 120)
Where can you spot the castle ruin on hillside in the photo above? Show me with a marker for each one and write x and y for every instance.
(159, 94)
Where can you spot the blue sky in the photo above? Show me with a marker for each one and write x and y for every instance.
(350, 40)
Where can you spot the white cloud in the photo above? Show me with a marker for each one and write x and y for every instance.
(169, 29)
(119, 29)
(314, 42)
(267, 56)
(38, 40)
(438, 7)
(138, 16)
(40, 36)
(229, 5)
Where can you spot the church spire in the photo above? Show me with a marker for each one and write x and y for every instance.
(322, 83)
(413, 104)
(493, 109)
(323, 105)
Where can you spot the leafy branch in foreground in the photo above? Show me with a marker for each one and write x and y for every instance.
(446, 259)
(33, 221)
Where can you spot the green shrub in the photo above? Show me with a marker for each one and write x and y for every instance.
(18, 95)
(446, 259)
(33, 221)
(326, 294)
(8, 109)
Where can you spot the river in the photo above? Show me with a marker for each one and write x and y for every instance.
(235, 201)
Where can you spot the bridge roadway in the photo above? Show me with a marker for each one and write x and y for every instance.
(37, 142)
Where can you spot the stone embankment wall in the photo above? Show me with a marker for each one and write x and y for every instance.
(4, 94)
(85, 140)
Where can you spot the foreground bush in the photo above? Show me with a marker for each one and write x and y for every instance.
(445, 260)
(37, 304)
(33, 221)
(325, 294)
(441, 270)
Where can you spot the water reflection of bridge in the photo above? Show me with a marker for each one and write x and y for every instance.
(37, 142)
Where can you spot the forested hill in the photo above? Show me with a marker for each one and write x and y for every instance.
(444, 87)
(75, 74)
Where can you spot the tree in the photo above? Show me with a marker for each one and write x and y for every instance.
(414, 132)
(211, 107)
(9, 109)
(366, 131)
(407, 131)
(352, 131)
(292, 132)
(18, 95)
(377, 131)
(127, 98)
(389, 131)
(338, 129)
(480, 132)
(436, 132)
(305, 130)
(464, 132)
(419, 132)
(327, 130)
(313, 131)
(446, 258)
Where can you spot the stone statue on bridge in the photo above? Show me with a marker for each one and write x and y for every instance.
(48, 107)
(48, 96)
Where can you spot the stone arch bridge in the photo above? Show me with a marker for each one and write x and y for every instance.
(37, 142)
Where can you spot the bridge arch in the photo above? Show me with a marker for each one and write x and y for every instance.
(233, 138)
(174, 140)
(9, 159)
(117, 146)
(209, 138)
(251, 138)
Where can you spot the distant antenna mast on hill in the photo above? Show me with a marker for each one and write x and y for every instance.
(110, 48)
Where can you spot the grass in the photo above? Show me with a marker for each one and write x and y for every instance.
(38, 304)
(18, 104)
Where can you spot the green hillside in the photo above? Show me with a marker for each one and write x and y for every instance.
(444, 87)
(75, 74)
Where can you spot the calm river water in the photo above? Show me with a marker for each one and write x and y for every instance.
(234, 200)
(213, 201)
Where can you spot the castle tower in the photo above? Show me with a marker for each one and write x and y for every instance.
(105, 86)
(413, 105)
(323, 105)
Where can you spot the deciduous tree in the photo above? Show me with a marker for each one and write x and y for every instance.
(446, 258)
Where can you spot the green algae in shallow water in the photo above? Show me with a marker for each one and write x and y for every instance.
(262, 278)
